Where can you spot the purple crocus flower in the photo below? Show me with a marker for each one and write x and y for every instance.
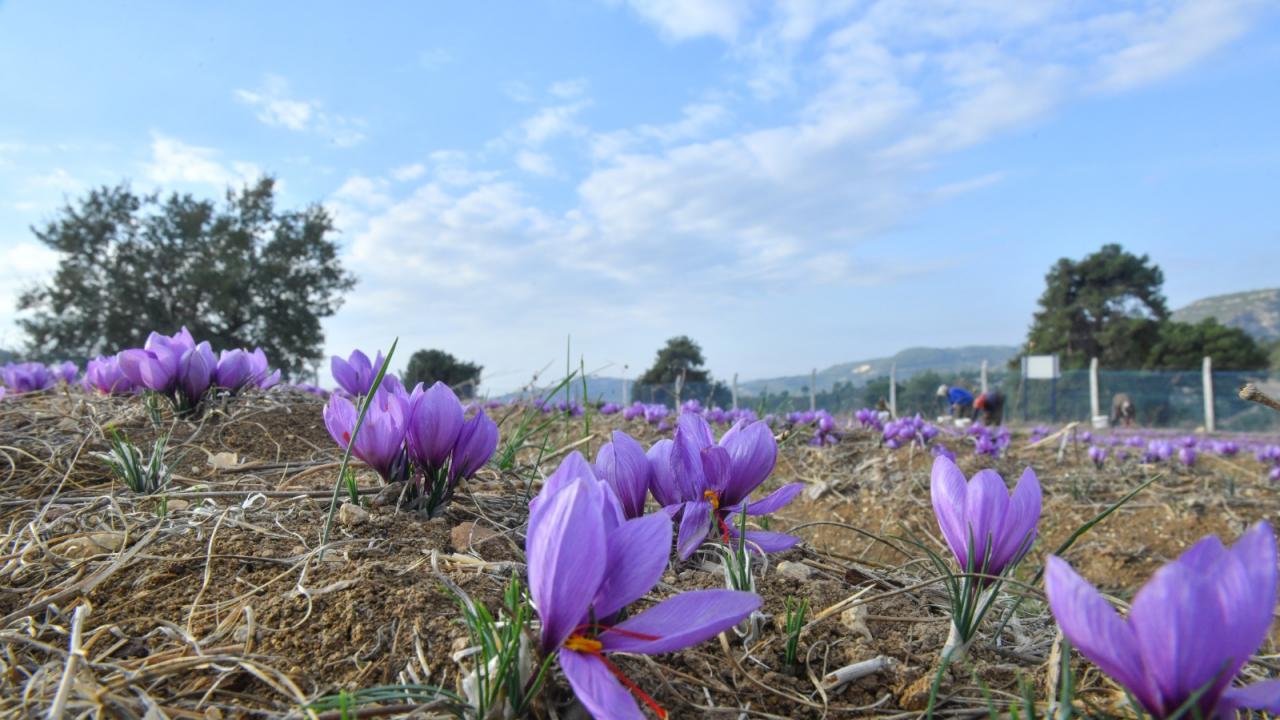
(380, 442)
(476, 442)
(66, 372)
(435, 419)
(706, 483)
(233, 371)
(581, 574)
(154, 366)
(987, 530)
(1190, 628)
(1187, 456)
(103, 374)
(27, 377)
(623, 465)
(356, 373)
(1097, 455)
(195, 372)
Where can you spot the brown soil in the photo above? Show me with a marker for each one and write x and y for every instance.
(219, 603)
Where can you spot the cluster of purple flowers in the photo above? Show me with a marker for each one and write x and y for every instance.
(183, 370)
(589, 558)
(1187, 450)
(1190, 629)
(990, 441)
(905, 431)
(28, 377)
(652, 413)
(610, 408)
(422, 435)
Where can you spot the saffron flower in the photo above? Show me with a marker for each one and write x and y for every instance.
(356, 373)
(380, 442)
(27, 377)
(154, 366)
(66, 372)
(435, 419)
(103, 374)
(988, 531)
(623, 464)
(704, 482)
(1097, 455)
(477, 440)
(1190, 629)
(581, 574)
(239, 369)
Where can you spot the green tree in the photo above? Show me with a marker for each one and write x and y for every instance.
(681, 356)
(1108, 305)
(1274, 351)
(1182, 346)
(239, 274)
(429, 366)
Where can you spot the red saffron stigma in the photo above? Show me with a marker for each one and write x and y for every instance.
(578, 642)
(346, 437)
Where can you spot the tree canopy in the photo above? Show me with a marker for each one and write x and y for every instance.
(429, 366)
(1180, 346)
(239, 274)
(1108, 305)
(680, 356)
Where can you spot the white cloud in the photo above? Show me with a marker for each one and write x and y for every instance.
(569, 89)
(553, 121)
(404, 173)
(173, 161)
(1172, 39)
(276, 109)
(535, 163)
(684, 19)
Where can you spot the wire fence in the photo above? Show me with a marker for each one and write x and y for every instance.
(1161, 399)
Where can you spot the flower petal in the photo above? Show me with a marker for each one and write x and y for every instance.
(1096, 630)
(986, 503)
(1264, 696)
(637, 553)
(565, 547)
(663, 485)
(753, 453)
(776, 500)
(949, 493)
(1019, 523)
(678, 622)
(693, 528)
(596, 687)
(1179, 623)
(622, 463)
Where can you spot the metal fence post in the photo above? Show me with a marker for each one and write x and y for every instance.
(893, 390)
(1095, 405)
(1208, 394)
(735, 391)
(813, 390)
(984, 377)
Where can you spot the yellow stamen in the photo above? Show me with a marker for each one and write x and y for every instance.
(712, 498)
(583, 644)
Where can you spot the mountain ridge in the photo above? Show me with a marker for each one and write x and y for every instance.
(1257, 312)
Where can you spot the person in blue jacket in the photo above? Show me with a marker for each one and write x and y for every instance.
(959, 400)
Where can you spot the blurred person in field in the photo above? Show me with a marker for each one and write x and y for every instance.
(882, 411)
(1123, 410)
(957, 399)
(990, 406)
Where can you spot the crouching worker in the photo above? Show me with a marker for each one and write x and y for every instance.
(990, 405)
(959, 400)
(1123, 411)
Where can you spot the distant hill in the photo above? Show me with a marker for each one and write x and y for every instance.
(909, 362)
(1257, 312)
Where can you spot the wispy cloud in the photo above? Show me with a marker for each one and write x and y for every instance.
(275, 108)
(173, 161)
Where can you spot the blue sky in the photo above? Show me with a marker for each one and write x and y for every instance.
(792, 184)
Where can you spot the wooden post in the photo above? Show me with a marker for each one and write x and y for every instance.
(626, 391)
(1208, 395)
(813, 390)
(735, 391)
(679, 389)
(893, 389)
(1095, 404)
(984, 377)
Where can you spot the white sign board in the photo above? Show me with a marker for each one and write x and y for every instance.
(1042, 367)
